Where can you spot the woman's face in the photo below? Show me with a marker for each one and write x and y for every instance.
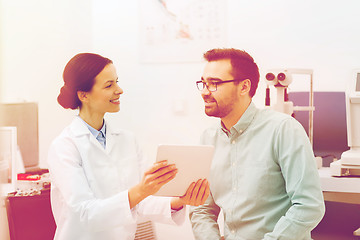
(104, 95)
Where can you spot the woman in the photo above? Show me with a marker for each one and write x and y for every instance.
(98, 190)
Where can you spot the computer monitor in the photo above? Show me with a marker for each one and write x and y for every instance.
(329, 126)
(24, 116)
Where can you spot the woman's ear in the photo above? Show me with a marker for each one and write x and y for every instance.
(82, 96)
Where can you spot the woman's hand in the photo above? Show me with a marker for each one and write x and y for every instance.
(196, 195)
(154, 178)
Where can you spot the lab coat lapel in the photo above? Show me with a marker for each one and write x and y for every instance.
(109, 142)
(79, 129)
(111, 135)
(95, 142)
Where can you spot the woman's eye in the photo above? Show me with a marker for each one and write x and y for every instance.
(108, 86)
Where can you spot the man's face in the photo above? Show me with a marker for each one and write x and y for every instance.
(221, 102)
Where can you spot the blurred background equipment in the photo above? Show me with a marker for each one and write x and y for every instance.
(24, 116)
(349, 164)
(281, 79)
(329, 134)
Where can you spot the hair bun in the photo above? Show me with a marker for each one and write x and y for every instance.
(68, 98)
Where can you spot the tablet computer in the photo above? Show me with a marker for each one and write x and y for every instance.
(192, 161)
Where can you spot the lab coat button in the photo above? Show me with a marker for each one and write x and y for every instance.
(233, 142)
(232, 231)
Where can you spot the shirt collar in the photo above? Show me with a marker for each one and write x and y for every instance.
(94, 131)
(243, 122)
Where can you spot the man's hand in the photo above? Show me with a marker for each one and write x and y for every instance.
(196, 195)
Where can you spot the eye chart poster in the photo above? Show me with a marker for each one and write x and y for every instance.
(180, 30)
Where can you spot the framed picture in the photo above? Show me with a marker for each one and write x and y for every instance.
(180, 31)
(8, 153)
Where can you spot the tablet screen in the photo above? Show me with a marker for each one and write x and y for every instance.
(192, 161)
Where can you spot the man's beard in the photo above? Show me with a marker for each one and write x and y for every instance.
(216, 111)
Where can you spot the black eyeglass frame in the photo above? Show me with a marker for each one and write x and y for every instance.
(215, 84)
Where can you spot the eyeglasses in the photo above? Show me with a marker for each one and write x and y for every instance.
(212, 86)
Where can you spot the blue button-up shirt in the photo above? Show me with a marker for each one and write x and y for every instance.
(99, 135)
(264, 178)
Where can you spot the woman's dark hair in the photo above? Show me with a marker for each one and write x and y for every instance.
(79, 75)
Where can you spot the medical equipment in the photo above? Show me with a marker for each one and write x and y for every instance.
(281, 79)
(329, 137)
(349, 163)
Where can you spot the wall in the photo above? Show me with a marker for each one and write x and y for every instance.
(40, 36)
(4, 233)
(319, 35)
(37, 37)
(146, 85)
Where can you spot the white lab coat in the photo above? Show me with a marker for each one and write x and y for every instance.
(89, 193)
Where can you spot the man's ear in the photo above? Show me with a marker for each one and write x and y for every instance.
(83, 97)
(245, 86)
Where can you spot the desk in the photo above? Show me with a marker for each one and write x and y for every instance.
(339, 189)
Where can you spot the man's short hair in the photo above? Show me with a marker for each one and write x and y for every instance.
(243, 65)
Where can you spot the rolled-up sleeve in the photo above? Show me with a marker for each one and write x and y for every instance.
(204, 220)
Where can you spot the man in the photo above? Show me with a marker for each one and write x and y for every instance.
(263, 175)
